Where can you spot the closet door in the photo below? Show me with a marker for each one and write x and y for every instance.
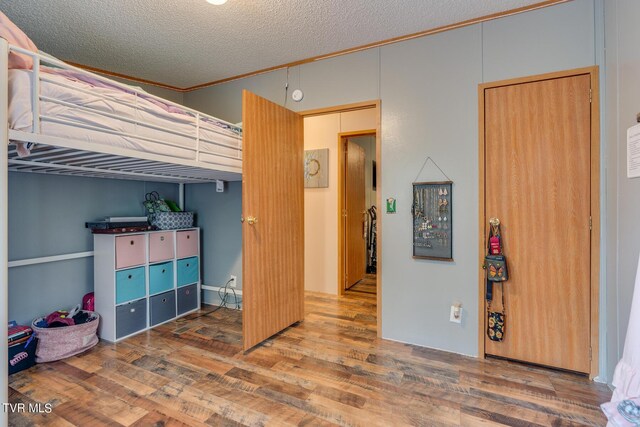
(356, 207)
(538, 183)
(273, 219)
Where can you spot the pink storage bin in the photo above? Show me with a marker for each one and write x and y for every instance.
(187, 242)
(130, 251)
(160, 246)
(60, 343)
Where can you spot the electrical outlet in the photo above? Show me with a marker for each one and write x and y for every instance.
(234, 281)
(456, 313)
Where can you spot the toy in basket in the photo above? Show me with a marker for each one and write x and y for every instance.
(69, 338)
(165, 214)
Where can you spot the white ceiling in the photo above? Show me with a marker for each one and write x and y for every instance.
(188, 42)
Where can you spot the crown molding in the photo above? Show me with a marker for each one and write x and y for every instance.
(424, 33)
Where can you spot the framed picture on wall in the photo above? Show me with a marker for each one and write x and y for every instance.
(433, 220)
(316, 168)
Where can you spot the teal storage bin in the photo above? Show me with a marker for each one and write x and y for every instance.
(130, 284)
(160, 277)
(188, 271)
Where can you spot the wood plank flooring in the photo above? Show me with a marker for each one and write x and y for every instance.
(365, 286)
(328, 370)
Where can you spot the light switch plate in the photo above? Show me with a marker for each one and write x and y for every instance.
(391, 205)
(452, 316)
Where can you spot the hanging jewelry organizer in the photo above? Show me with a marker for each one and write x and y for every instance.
(433, 218)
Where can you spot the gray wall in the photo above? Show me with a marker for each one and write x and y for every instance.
(428, 88)
(622, 37)
(429, 98)
(218, 215)
(46, 217)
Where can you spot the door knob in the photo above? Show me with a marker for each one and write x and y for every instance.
(252, 220)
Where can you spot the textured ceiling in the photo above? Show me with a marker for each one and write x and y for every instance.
(188, 42)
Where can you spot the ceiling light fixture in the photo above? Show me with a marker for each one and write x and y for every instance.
(217, 2)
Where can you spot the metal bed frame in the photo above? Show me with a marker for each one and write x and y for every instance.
(61, 155)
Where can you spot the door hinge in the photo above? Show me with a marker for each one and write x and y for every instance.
(344, 213)
(590, 95)
(590, 224)
(590, 353)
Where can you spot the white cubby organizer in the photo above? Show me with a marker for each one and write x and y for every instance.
(145, 279)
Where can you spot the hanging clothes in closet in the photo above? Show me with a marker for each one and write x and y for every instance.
(372, 256)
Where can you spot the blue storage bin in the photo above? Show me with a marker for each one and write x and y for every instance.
(130, 285)
(160, 277)
(188, 271)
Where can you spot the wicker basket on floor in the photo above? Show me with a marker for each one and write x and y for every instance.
(60, 343)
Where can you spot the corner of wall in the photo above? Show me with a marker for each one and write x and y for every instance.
(610, 133)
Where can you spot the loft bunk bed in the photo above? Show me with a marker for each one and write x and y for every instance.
(65, 120)
(59, 119)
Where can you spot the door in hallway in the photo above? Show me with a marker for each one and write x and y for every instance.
(355, 214)
(537, 181)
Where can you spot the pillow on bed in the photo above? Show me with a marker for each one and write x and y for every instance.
(14, 35)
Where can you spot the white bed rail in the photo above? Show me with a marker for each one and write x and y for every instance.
(202, 140)
(4, 232)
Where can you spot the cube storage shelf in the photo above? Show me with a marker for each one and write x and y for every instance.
(145, 279)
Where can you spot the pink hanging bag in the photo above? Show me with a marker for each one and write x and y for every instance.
(88, 302)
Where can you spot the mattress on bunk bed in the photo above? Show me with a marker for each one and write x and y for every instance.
(220, 143)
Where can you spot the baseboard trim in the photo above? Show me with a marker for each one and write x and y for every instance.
(430, 347)
(218, 289)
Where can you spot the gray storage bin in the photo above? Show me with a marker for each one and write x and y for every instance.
(187, 298)
(131, 318)
(162, 307)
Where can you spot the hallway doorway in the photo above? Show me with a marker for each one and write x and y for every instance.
(357, 206)
(324, 135)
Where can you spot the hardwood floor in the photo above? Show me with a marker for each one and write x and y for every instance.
(328, 370)
(365, 287)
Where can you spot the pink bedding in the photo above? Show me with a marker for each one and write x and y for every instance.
(106, 84)
(15, 36)
(94, 81)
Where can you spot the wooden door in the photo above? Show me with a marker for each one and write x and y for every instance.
(273, 219)
(537, 182)
(355, 202)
